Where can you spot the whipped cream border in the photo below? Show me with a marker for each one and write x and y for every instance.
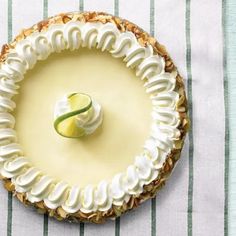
(148, 66)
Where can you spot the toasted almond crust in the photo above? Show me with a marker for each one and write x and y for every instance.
(151, 189)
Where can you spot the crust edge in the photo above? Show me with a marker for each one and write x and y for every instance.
(151, 189)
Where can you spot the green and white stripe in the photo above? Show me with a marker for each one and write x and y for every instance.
(197, 200)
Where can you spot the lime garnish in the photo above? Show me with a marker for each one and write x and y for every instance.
(65, 124)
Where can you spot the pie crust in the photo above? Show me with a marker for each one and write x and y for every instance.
(149, 190)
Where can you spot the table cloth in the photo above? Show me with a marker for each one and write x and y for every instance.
(197, 34)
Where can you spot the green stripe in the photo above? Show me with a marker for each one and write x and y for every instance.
(81, 5)
(9, 201)
(189, 86)
(153, 217)
(116, 7)
(45, 9)
(45, 219)
(153, 202)
(9, 215)
(230, 177)
(9, 20)
(45, 225)
(81, 229)
(152, 17)
(225, 69)
(117, 222)
(117, 227)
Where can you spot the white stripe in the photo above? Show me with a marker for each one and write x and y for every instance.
(3, 210)
(172, 200)
(137, 12)
(170, 31)
(137, 222)
(25, 14)
(25, 220)
(59, 228)
(107, 229)
(208, 122)
(3, 23)
(56, 7)
(102, 5)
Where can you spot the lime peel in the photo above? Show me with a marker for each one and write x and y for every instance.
(77, 115)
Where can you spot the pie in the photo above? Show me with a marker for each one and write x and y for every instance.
(100, 120)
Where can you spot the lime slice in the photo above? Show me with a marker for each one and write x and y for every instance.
(65, 124)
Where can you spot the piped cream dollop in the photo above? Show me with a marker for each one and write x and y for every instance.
(87, 121)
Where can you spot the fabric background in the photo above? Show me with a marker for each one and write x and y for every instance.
(195, 199)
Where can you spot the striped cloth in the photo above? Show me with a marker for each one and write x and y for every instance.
(194, 201)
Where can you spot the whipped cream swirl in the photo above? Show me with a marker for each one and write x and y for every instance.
(158, 83)
(89, 121)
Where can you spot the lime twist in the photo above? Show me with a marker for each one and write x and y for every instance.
(66, 121)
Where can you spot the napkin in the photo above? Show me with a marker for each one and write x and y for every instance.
(193, 202)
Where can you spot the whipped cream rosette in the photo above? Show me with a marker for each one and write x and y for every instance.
(77, 115)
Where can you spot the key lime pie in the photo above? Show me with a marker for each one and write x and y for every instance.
(100, 118)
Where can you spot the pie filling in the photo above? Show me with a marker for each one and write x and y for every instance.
(113, 146)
